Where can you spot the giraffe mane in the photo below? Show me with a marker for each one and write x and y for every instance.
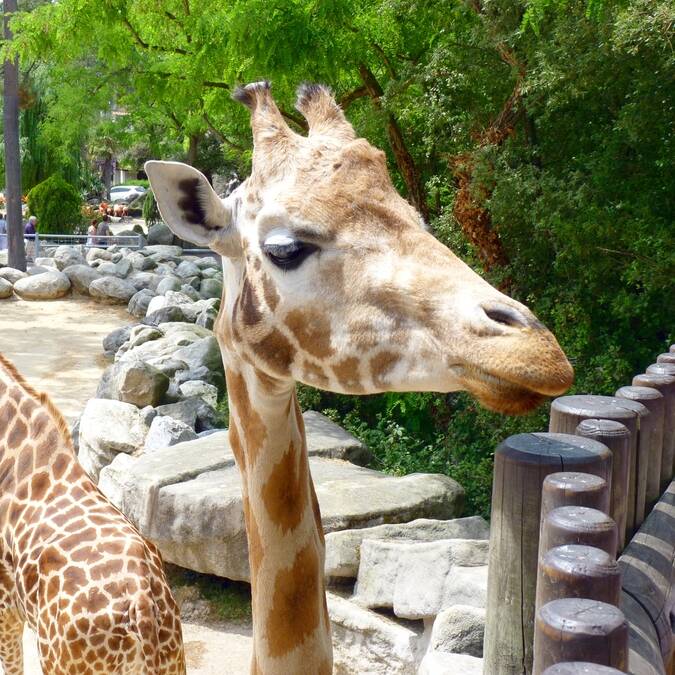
(42, 398)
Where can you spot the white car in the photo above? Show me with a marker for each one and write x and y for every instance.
(126, 193)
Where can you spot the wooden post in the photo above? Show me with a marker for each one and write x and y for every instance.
(616, 437)
(568, 411)
(574, 571)
(578, 525)
(581, 668)
(650, 449)
(521, 464)
(666, 385)
(576, 629)
(571, 488)
(668, 357)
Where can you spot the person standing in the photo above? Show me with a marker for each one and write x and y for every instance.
(3, 232)
(29, 234)
(91, 233)
(103, 231)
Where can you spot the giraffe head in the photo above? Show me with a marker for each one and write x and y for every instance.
(331, 278)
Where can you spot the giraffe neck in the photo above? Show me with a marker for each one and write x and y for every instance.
(291, 629)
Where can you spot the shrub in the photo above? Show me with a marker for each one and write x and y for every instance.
(150, 209)
(57, 206)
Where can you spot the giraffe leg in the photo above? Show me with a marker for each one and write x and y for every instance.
(11, 642)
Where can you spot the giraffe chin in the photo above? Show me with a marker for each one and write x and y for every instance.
(505, 397)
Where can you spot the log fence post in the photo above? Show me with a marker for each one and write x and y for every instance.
(666, 385)
(522, 462)
(616, 437)
(568, 411)
(650, 452)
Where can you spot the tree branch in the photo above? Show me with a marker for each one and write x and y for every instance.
(219, 134)
(347, 99)
(145, 45)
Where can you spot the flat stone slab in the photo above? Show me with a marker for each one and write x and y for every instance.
(367, 642)
(187, 498)
(343, 549)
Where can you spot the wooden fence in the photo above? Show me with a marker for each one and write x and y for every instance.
(582, 541)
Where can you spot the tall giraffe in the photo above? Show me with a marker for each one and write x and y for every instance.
(331, 279)
(71, 565)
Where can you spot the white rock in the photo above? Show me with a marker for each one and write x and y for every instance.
(112, 290)
(157, 303)
(6, 288)
(98, 254)
(108, 428)
(440, 663)
(170, 283)
(65, 256)
(165, 432)
(49, 263)
(204, 352)
(459, 629)
(137, 382)
(163, 252)
(11, 274)
(419, 579)
(199, 388)
(367, 643)
(187, 269)
(343, 548)
(45, 286)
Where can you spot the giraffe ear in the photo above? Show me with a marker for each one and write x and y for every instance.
(191, 208)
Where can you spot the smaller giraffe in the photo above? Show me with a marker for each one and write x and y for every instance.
(71, 565)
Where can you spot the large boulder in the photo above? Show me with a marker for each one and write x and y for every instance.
(140, 262)
(159, 233)
(45, 286)
(167, 431)
(6, 289)
(115, 339)
(142, 280)
(122, 268)
(459, 629)
(193, 412)
(47, 262)
(211, 288)
(166, 314)
(66, 256)
(367, 642)
(202, 353)
(200, 389)
(187, 269)
(81, 277)
(98, 254)
(134, 382)
(138, 305)
(162, 253)
(168, 283)
(112, 290)
(419, 579)
(343, 549)
(108, 428)
(11, 274)
(187, 499)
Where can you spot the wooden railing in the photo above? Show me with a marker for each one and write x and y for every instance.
(565, 504)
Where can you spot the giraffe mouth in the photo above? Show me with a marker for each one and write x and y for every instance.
(498, 394)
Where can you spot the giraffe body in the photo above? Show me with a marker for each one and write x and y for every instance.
(331, 279)
(72, 567)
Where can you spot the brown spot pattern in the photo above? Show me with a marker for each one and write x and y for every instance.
(252, 425)
(381, 365)
(285, 491)
(276, 351)
(311, 329)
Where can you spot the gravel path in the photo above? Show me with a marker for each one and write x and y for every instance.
(56, 345)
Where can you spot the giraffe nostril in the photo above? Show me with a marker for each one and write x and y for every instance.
(507, 316)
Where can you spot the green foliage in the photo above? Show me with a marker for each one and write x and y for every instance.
(581, 193)
(150, 209)
(57, 206)
(228, 600)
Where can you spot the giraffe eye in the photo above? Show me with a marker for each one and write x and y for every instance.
(287, 253)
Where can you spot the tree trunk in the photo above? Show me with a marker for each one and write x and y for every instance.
(16, 250)
(404, 160)
(107, 173)
(192, 150)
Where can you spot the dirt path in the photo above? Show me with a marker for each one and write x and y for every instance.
(57, 347)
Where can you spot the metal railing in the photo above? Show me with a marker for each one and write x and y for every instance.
(84, 240)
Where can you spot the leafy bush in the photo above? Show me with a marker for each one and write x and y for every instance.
(150, 209)
(57, 206)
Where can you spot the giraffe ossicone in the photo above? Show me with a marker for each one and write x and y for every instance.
(72, 566)
(331, 279)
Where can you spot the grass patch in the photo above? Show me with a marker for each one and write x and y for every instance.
(228, 600)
